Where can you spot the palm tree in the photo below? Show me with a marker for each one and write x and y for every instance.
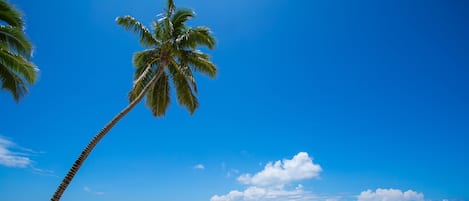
(16, 69)
(171, 55)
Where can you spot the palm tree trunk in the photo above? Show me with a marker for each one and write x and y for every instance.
(84, 154)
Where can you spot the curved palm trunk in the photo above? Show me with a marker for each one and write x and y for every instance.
(84, 154)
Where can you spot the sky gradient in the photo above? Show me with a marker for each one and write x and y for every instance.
(372, 92)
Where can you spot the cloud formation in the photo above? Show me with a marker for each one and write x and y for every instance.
(199, 167)
(390, 195)
(274, 183)
(11, 158)
(269, 184)
(283, 172)
(254, 193)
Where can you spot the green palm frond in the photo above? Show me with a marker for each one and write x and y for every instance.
(12, 82)
(130, 23)
(10, 15)
(185, 70)
(199, 62)
(158, 97)
(19, 65)
(158, 29)
(16, 69)
(168, 29)
(185, 95)
(194, 37)
(145, 57)
(179, 18)
(142, 77)
(145, 62)
(171, 8)
(14, 40)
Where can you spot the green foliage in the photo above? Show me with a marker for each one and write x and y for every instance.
(16, 69)
(10, 15)
(129, 23)
(14, 40)
(173, 55)
(158, 97)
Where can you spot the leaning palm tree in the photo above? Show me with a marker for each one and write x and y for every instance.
(16, 69)
(171, 55)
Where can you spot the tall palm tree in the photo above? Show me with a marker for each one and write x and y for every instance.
(16, 69)
(171, 55)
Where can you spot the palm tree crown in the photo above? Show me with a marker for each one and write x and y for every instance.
(171, 55)
(16, 69)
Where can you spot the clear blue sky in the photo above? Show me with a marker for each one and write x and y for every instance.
(375, 92)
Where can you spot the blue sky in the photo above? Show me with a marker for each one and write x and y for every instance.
(357, 100)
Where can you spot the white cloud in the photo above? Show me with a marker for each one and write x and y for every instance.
(254, 193)
(269, 184)
(390, 195)
(199, 167)
(283, 172)
(274, 183)
(11, 158)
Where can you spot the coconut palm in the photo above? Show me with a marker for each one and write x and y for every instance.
(16, 69)
(171, 54)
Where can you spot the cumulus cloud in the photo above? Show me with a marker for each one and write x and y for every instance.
(269, 184)
(199, 167)
(300, 167)
(254, 193)
(390, 195)
(274, 183)
(10, 157)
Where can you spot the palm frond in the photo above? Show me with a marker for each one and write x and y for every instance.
(199, 62)
(16, 64)
(179, 18)
(130, 23)
(137, 87)
(184, 69)
(12, 82)
(187, 72)
(158, 29)
(10, 15)
(145, 69)
(171, 8)
(14, 40)
(194, 37)
(158, 97)
(185, 95)
(146, 62)
(143, 58)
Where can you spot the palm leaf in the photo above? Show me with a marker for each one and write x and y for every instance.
(10, 15)
(199, 62)
(12, 82)
(158, 29)
(130, 23)
(142, 76)
(171, 8)
(194, 37)
(16, 64)
(14, 40)
(185, 95)
(158, 97)
(179, 18)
